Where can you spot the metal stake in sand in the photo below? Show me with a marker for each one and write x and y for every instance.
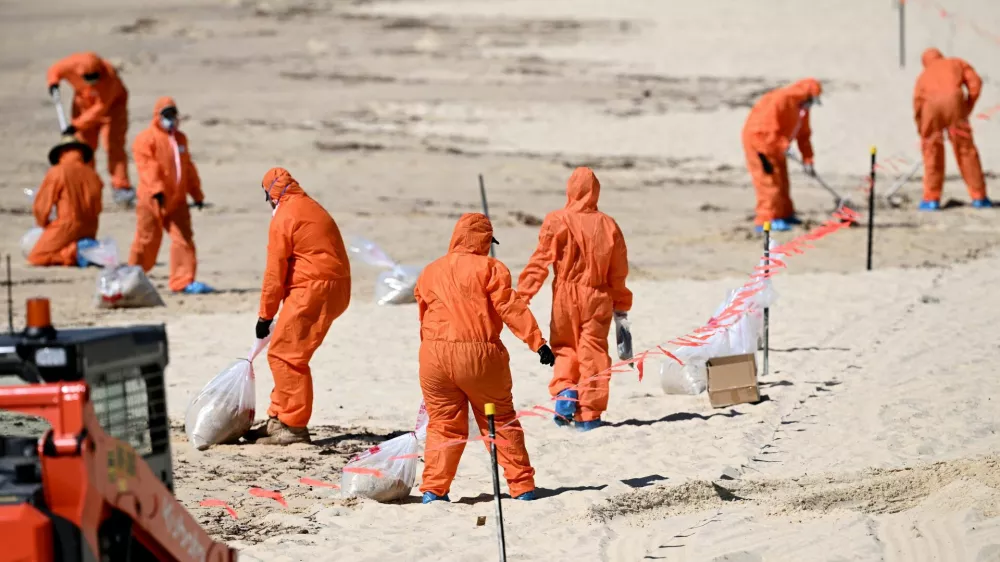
(10, 299)
(871, 210)
(767, 311)
(491, 411)
(60, 111)
(486, 208)
(902, 33)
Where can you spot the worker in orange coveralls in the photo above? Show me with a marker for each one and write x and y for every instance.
(587, 253)
(166, 177)
(464, 298)
(776, 119)
(940, 104)
(100, 109)
(74, 189)
(308, 270)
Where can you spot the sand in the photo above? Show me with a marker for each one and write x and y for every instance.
(878, 437)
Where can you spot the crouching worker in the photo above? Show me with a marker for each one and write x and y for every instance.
(587, 253)
(74, 189)
(167, 176)
(464, 298)
(308, 271)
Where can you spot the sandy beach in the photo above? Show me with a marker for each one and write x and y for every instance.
(877, 438)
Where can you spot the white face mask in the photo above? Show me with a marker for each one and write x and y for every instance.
(168, 124)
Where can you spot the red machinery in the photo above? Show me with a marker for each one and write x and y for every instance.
(78, 493)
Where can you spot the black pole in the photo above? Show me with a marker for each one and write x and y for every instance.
(871, 210)
(486, 208)
(490, 415)
(10, 299)
(767, 311)
(902, 33)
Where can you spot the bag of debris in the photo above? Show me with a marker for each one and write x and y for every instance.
(394, 285)
(387, 471)
(29, 239)
(224, 410)
(120, 285)
(690, 379)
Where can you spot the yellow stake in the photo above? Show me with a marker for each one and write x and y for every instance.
(873, 150)
(767, 226)
(491, 409)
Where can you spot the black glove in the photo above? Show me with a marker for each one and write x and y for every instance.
(263, 328)
(768, 168)
(159, 199)
(69, 130)
(53, 88)
(199, 204)
(545, 356)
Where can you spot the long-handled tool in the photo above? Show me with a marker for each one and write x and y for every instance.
(491, 411)
(901, 181)
(767, 310)
(841, 201)
(60, 111)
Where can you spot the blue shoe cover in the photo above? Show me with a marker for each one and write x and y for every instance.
(983, 203)
(432, 497)
(777, 225)
(83, 244)
(793, 220)
(566, 408)
(588, 425)
(930, 206)
(197, 288)
(527, 496)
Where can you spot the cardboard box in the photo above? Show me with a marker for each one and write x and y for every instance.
(732, 380)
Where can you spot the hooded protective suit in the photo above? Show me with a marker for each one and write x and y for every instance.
(99, 110)
(588, 255)
(165, 168)
(939, 104)
(307, 270)
(464, 299)
(74, 188)
(775, 120)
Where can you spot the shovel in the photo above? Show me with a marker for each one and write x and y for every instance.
(841, 201)
(900, 182)
(60, 111)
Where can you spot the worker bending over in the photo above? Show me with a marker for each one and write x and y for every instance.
(167, 176)
(587, 253)
(940, 104)
(780, 116)
(308, 271)
(100, 109)
(464, 299)
(74, 189)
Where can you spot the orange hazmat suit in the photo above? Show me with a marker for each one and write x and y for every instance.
(775, 120)
(464, 299)
(939, 104)
(165, 169)
(74, 188)
(99, 109)
(307, 270)
(587, 252)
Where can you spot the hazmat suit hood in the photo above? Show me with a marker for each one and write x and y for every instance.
(930, 55)
(473, 235)
(159, 106)
(582, 190)
(805, 89)
(279, 185)
(89, 63)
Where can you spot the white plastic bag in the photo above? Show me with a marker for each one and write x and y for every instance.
(119, 285)
(394, 285)
(387, 471)
(224, 410)
(691, 379)
(29, 239)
